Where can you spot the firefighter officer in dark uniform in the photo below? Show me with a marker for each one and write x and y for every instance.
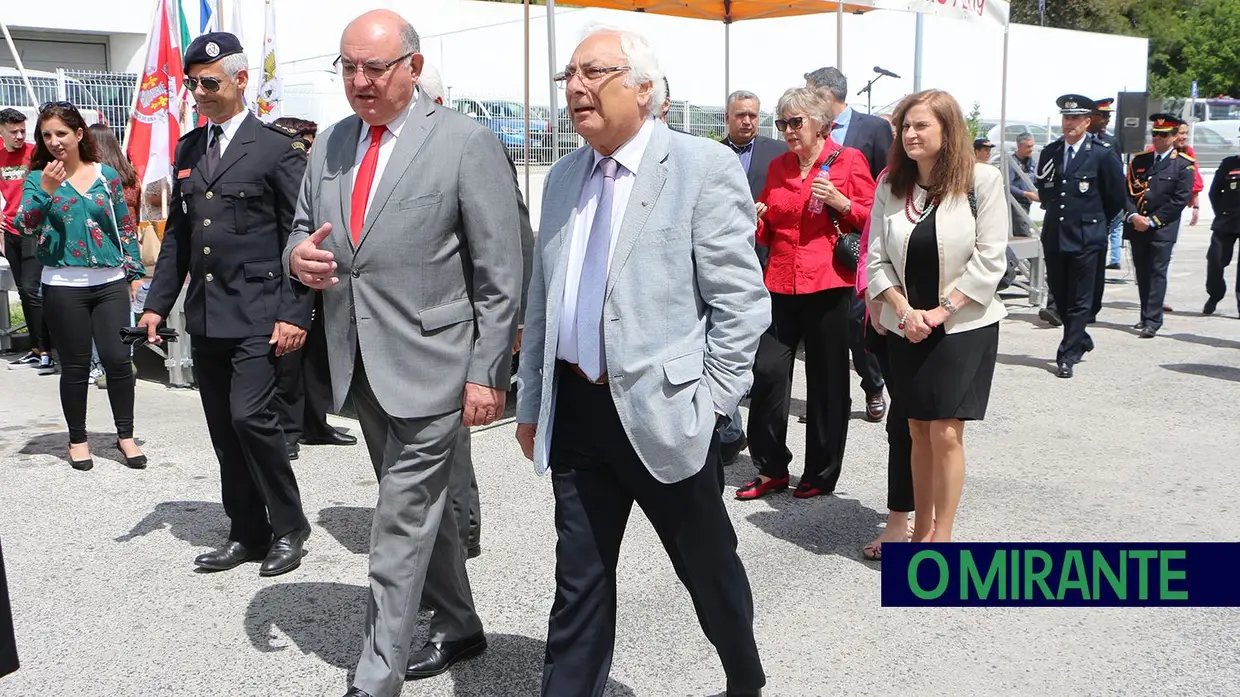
(1160, 184)
(235, 186)
(1225, 201)
(1081, 184)
(1099, 121)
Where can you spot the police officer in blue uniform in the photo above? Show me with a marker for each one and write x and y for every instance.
(236, 183)
(1160, 185)
(1081, 184)
(1099, 121)
(1225, 201)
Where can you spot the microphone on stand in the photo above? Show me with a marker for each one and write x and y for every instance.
(883, 71)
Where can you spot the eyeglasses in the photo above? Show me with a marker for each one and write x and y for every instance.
(62, 105)
(371, 71)
(589, 75)
(210, 84)
(794, 123)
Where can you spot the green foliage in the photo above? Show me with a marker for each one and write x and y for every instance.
(975, 120)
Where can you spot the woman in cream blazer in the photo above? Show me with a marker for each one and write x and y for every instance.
(939, 231)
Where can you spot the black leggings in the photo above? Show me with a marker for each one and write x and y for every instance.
(78, 316)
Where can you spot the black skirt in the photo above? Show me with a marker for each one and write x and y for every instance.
(946, 376)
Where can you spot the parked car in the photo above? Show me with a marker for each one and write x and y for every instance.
(13, 94)
(506, 119)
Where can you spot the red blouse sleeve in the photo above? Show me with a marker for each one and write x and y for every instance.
(859, 188)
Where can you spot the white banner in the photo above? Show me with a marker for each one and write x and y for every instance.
(271, 88)
(995, 11)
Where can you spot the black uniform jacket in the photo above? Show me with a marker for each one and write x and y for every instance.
(1160, 192)
(1082, 199)
(227, 233)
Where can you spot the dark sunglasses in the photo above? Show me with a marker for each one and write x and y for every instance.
(794, 123)
(209, 84)
(62, 105)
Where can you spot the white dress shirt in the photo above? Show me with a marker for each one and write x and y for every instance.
(230, 130)
(629, 157)
(1071, 151)
(386, 146)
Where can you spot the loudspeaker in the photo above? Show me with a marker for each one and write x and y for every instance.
(1132, 121)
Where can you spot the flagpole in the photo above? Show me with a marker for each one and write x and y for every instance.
(133, 103)
(17, 60)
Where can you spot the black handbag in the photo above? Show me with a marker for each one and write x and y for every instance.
(847, 244)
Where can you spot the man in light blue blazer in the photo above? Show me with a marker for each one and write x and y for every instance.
(642, 321)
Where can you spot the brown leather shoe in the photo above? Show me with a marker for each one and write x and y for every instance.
(875, 406)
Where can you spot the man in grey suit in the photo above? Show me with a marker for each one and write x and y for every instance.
(406, 220)
(643, 319)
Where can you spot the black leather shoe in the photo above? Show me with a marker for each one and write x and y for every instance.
(336, 438)
(138, 463)
(286, 553)
(728, 452)
(1050, 317)
(1148, 333)
(1139, 326)
(294, 451)
(354, 692)
(1065, 371)
(1210, 307)
(230, 556)
(435, 658)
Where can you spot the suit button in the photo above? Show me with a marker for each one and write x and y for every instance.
(210, 278)
(242, 194)
(355, 273)
(206, 223)
(210, 195)
(271, 274)
(1061, 218)
(206, 250)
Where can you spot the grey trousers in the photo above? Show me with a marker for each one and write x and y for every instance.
(415, 549)
(463, 492)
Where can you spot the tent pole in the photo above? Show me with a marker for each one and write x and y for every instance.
(727, 61)
(525, 142)
(1003, 158)
(554, 116)
(917, 44)
(839, 35)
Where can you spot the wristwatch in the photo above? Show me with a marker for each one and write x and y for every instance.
(947, 305)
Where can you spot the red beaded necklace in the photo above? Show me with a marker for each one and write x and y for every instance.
(914, 214)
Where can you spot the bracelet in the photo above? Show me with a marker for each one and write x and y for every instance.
(904, 319)
(947, 305)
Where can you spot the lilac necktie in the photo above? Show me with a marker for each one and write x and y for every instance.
(593, 285)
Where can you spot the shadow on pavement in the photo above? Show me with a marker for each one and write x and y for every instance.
(200, 523)
(1206, 341)
(1218, 372)
(350, 525)
(56, 444)
(1044, 364)
(325, 620)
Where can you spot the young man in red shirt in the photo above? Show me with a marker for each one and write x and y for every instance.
(27, 272)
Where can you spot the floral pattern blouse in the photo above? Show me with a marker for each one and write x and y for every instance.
(91, 230)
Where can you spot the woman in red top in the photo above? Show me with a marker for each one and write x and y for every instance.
(810, 300)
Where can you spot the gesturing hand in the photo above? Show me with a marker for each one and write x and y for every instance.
(53, 176)
(482, 405)
(313, 266)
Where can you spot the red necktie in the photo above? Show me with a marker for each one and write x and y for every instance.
(361, 185)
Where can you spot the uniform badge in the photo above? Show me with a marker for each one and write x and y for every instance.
(1233, 185)
(185, 208)
(1083, 186)
(298, 145)
(213, 49)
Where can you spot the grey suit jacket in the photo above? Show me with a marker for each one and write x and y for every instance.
(685, 303)
(431, 294)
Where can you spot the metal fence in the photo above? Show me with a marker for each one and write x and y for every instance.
(102, 97)
(113, 96)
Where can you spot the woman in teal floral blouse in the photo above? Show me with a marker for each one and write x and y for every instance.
(91, 267)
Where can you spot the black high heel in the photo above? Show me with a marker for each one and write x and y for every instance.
(137, 463)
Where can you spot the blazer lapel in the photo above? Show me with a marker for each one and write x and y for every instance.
(241, 143)
(651, 177)
(352, 133)
(413, 135)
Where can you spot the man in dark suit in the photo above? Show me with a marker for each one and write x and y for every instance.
(235, 190)
(1080, 184)
(1160, 184)
(755, 153)
(872, 136)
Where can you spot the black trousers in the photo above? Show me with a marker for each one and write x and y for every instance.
(28, 274)
(1074, 280)
(864, 362)
(304, 385)
(236, 379)
(1150, 260)
(1217, 258)
(79, 317)
(596, 478)
(8, 640)
(899, 440)
(821, 321)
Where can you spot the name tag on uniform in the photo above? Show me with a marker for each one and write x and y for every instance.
(183, 174)
(1083, 186)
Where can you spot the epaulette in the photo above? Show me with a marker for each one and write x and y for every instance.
(282, 130)
(1186, 156)
(301, 144)
(1102, 142)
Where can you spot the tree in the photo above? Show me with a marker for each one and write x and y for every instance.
(975, 120)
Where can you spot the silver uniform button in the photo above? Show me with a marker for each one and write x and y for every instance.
(242, 194)
(210, 278)
(210, 195)
(206, 250)
(206, 223)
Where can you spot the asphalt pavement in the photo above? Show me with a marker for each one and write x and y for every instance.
(1140, 446)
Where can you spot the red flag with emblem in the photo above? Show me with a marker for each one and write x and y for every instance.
(153, 127)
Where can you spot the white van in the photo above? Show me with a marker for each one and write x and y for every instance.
(13, 95)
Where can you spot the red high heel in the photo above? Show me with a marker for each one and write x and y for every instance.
(756, 488)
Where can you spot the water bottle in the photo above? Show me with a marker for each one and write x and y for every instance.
(815, 206)
(139, 300)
